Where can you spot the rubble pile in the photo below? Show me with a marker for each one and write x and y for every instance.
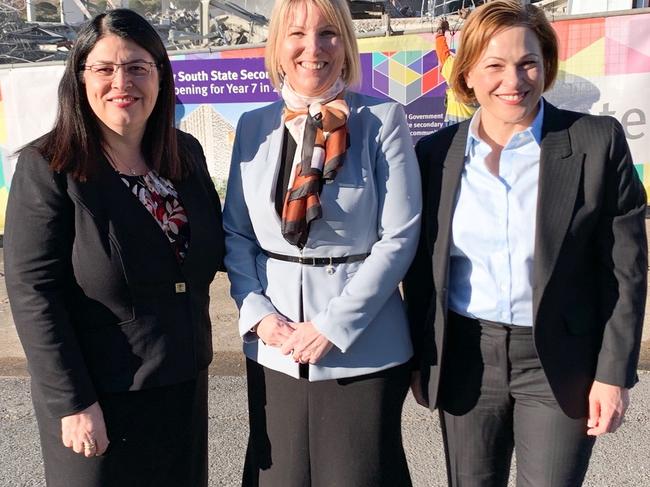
(21, 42)
(228, 24)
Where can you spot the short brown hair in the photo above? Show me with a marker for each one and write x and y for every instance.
(490, 19)
(336, 12)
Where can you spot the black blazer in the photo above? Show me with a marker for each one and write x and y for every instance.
(98, 298)
(590, 261)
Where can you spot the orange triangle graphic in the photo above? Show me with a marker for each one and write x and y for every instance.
(575, 35)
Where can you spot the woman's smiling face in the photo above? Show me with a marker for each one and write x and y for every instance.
(508, 79)
(123, 101)
(311, 53)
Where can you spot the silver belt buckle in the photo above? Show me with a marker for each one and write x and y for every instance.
(330, 269)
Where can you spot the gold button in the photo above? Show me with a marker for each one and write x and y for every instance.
(180, 287)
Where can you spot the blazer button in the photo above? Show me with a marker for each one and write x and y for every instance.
(180, 287)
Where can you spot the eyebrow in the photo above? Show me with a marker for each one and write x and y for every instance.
(328, 26)
(502, 59)
(139, 60)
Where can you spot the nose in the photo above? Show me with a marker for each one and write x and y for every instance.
(312, 43)
(120, 78)
(512, 76)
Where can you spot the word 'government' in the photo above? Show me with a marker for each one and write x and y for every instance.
(216, 75)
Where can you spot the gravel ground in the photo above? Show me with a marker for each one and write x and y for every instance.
(620, 459)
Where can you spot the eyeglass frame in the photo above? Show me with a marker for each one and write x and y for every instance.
(117, 66)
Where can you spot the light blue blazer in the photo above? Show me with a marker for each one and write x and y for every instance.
(373, 206)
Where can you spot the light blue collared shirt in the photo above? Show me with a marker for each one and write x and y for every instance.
(493, 229)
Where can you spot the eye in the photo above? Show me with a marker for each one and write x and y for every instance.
(296, 33)
(103, 69)
(329, 33)
(138, 69)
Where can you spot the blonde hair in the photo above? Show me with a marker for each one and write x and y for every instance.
(490, 19)
(336, 12)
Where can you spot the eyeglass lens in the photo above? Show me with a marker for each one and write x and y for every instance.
(137, 69)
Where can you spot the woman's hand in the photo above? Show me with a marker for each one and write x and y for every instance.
(274, 330)
(307, 344)
(85, 431)
(607, 405)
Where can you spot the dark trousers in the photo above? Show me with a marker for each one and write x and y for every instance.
(494, 398)
(333, 433)
(158, 438)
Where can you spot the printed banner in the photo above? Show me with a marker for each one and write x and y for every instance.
(604, 69)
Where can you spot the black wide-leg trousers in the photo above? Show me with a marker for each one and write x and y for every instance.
(158, 438)
(494, 399)
(332, 433)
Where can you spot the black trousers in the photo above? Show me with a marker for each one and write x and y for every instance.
(494, 398)
(333, 433)
(158, 438)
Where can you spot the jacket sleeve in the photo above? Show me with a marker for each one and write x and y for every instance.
(202, 167)
(398, 227)
(418, 283)
(623, 259)
(38, 242)
(242, 247)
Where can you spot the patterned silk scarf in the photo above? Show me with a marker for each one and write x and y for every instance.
(318, 125)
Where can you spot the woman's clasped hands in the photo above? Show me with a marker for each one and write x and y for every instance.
(302, 340)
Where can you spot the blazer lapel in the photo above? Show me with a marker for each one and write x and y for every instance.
(189, 196)
(452, 169)
(274, 154)
(559, 180)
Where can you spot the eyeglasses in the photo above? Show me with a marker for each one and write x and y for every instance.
(137, 69)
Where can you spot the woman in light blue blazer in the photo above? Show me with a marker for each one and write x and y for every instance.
(322, 222)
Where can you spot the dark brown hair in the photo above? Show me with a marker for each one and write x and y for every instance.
(75, 143)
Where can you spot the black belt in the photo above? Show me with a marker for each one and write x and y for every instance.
(316, 261)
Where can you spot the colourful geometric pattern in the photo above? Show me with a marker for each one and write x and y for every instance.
(643, 170)
(597, 48)
(604, 46)
(405, 76)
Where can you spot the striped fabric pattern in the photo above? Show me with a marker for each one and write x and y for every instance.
(321, 152)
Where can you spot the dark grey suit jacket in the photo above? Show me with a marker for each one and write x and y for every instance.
(92, 282)
(590, 260)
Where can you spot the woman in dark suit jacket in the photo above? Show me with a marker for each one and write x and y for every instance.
(113, 236)
(526, 297)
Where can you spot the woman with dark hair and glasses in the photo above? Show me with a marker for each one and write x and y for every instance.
(113, 236)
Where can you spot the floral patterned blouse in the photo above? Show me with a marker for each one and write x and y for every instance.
(159, 197)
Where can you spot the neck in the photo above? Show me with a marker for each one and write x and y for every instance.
(497, 132)
(129, 139)
(125, 152)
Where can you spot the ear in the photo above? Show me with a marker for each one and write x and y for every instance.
(468, 81)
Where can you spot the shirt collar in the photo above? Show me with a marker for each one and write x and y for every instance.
(535, 128)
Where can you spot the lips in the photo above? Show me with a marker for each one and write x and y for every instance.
(512, 98)
(123, 101)
(313, 66)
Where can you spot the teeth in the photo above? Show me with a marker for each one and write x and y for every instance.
(122, 100)
(307, 65)
(511, 97)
